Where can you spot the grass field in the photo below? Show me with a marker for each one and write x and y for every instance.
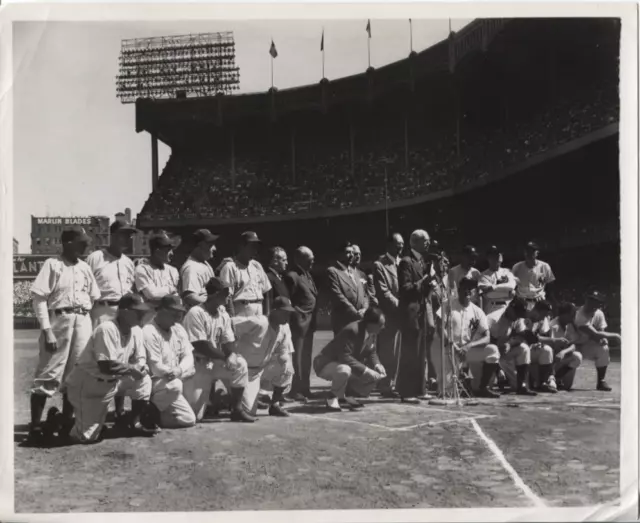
(560, 450)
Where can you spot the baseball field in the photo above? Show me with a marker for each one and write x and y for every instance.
(551, 450)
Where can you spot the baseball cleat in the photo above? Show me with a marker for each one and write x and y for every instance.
(277, 410)
(486, 393)
(523, 390)
(603, 386)
(333, 405)
(351, 403)
(262, 405)
(546, 387)
(240, 415)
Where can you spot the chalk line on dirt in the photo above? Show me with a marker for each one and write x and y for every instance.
(339, 420)
(517, 480)
(594, 406)
(441, 422)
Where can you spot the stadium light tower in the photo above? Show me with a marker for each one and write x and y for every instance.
(177, 67)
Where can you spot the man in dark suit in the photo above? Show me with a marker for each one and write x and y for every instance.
(348, 295)
(416, 284)
(367, 279)
(350, 359)
(385, 279)
(276, 270)
(304, 298)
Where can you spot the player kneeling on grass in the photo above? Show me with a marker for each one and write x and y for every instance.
(170, 358)
(113, 364)
(593, 342)
(210, 331)
(351, 359)
(563, 337)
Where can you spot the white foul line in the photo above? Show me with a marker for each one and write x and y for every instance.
(440, 422)
(594, 405)
(517, 480)
(339, 420)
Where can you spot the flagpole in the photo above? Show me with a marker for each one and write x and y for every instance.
(369, 50)
(323, 52)
(272, 72)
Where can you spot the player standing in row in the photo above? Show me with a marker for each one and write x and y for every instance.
(465, 269)
(534, 276)
(196, 272)
(114, 272)
(496, 283)
(63, 294)
(245, 276)
(156, 279)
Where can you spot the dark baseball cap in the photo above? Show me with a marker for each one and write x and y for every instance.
(532, 246)
(493, 251)
(214, 286)
(204, 235)
(75, 234)
(282, 304)
(160, 240)
(123, 226)
(133, 302)
(171, 302)
(467, 283)
(249, 237)
(470, 250)
(595, 295)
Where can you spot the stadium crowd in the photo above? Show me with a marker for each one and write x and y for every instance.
(200, 185)
(164, 337)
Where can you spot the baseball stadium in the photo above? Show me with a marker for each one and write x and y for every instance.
(502, 134)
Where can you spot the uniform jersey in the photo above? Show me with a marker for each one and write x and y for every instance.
(194, 275)
(66, 285)
(500, 327)
(248, 282)
(202, 326)
(541, 328)
(166, 350)
(115, 276)
(568, 332)
(467, 323)
(532, 280)
(258, 341)
(155, 283)
(495, 278)
(109, 344)
(595, 319)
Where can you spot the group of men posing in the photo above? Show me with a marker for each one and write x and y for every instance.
(164, 337)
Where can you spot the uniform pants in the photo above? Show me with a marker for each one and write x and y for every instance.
(516, 355)
(596, 351)
(101, 313)
(90, 398)
(389, 353)
(490, 306)
(274, 374)
(197, 388)
(247, 310)
(476, 358)
(340, 376)
(175, 411)
(570, 359)
(72, 332)
(540, 355)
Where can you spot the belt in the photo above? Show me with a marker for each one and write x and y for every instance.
(103, 380)
(70, 310)
(110, 303)
(247, 302)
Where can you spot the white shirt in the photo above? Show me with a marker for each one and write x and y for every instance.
(155, 283)
(457, 273)
(532, 280)
(168, 350)
(115, 276)
(595, 320)
(495, 278)
(247, 282)
(202, 326)
(194, 275)
(568, 332)
(541, 328)
(108, 344)
(258, 342)
(467, 323)
(500, 327)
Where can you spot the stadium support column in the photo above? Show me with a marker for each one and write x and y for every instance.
(293, 154)
(233, 158)
(352, 147)
(154, 162)
(406, 139)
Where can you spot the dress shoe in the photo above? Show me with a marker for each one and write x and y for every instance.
(486, 393)
(333, 405)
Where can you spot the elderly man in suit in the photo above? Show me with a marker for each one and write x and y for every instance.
(348, 295)
(385, 279)
(416, 285)
(350, 359)
(304, 298)
(278, 263)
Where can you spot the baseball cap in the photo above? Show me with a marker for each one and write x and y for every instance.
(532, 246)
(214, 286)
(250, 237)
(122, 226)
(204, 235)
(171, 302)
(133, 302)
(75, 234)
(160, 240)
(467, 283)
(493, 251)
(470, 250)
(282, 304)
(596, 295)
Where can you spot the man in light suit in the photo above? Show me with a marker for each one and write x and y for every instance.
(385, 280)
(348, 295)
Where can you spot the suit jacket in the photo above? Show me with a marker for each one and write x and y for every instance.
(278, 286)
(349, 348)
(411, 270)
(304, 298)
(368, 287)
(348, 296)
(385, 280)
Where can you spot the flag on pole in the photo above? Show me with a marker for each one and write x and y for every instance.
(273, 51)
(322, 41)
(369, 28)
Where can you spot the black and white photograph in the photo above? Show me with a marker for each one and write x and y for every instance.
(344, 262)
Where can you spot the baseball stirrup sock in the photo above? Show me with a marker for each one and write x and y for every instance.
(488, 370)
(602, 372)
(522, 372)
(546, 371)
(38, 401)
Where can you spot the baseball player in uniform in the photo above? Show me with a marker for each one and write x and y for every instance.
(497, 284)
(170, 359)
(248, 282)
(266, 345)
(535, 331)
(466, 269)
(593, 341)
(515, 356)
(533, 276)
(196, 272)
(113, 364)
(211, 334)
(471, 339)
(63, 294)
(114, 272)
(156, 279)
(564, 336)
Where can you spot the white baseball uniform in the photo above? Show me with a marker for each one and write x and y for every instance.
(532, 281)
(456, 274)
(194, 275)
(598, 351)
(63, 294)
(248, 283)
(154, 283)
(568, 357)
(90, 391)
(504, 284)
(501, 329)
